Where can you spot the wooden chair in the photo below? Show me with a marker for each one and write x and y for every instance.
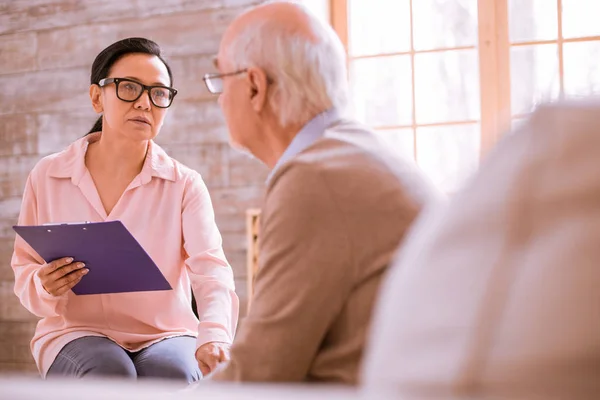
(252, 237)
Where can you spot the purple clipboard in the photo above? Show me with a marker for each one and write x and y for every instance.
(117, 263)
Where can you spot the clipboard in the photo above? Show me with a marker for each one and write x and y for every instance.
(117, 263)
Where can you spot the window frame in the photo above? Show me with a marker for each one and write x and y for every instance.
(494, 67)
(494, 46)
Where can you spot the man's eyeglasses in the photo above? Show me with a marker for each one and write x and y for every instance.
(129, 90)
(214, 82)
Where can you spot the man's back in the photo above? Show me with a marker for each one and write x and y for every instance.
(334, 216)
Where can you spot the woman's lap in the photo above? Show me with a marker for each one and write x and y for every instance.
(94, 356)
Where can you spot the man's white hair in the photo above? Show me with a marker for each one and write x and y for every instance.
(308, 77)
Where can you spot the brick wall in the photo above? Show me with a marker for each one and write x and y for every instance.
(46, 51)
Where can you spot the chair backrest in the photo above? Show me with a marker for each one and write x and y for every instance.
(252, 239)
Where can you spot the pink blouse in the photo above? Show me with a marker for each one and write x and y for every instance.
(167, 208)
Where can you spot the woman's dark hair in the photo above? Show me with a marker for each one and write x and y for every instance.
(110, 55)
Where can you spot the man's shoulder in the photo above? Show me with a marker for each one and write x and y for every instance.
(345, 148)
(345, 141)
(351, 154)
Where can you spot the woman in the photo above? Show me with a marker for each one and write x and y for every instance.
(117, 172)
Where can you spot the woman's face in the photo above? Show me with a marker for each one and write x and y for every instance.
(138, 120)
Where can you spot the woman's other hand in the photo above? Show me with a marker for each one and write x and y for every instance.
(211, 354)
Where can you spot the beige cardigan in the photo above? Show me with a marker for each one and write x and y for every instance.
(332, 220)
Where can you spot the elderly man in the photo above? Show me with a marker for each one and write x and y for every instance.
(338, 203)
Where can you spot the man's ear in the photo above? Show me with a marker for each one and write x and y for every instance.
(96, 97)
(258, 86)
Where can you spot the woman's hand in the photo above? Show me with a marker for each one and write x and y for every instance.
(61, 275)
(211, 354)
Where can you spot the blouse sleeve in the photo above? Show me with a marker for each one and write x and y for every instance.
(26, 263)
(210, 273)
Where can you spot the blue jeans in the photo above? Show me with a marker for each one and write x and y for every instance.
(94, 356)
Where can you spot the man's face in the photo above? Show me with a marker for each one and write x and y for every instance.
(235, 103)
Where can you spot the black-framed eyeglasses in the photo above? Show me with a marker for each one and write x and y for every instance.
(214, 82)
(129, 90)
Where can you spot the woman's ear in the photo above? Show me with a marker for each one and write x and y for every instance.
(96, 97)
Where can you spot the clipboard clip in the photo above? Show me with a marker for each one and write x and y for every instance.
(66, 223)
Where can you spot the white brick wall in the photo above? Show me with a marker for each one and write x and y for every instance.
(46, 51)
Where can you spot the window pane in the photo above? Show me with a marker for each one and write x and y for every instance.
(448, 154)
(378, 26)
(580, 18)
(444, 24)
(401, 141)
(533, 20)
(534, 76)
(582, 68)
(382, 90)
(447, 86)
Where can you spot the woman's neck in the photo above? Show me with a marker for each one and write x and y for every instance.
(119, 158)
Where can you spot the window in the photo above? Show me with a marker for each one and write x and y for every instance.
(554, 51)
(414, 76)
(441, 80)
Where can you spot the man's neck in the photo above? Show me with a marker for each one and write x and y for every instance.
(275, 141)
